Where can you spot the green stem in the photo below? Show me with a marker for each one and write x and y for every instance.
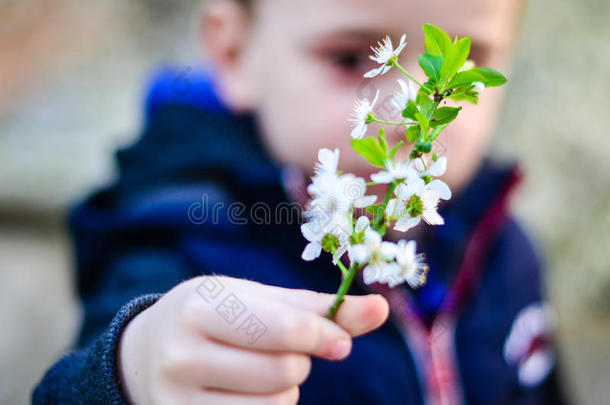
(340, 265)
(343, 289)
(379, 218)
(395, 63)
(392, 123)
(437, 101)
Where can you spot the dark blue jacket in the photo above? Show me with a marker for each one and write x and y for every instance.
(156, 227)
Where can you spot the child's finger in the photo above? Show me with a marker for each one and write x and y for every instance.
(358, 314)
(288, 397)
(261, 322)
(225, 367)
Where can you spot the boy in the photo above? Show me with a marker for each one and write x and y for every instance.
(283, 80)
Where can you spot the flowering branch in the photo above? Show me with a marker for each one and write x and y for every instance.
(413, 188)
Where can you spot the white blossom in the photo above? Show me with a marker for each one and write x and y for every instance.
(362, 224)
(330, 233)
(360, 116)
(394, 170)
(437, 169)
(478, 87)
(411, 266)
(332, 192)
(401, 98)
(414, 201)
(384, 53)
(328, 161)
(376, 254)
(329, 213)
(468, 65)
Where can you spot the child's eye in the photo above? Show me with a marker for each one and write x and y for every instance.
(345, 57)
(355, 62)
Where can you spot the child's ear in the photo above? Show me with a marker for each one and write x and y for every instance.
(224, 28)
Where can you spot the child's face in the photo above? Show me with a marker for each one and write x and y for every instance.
(299, 67)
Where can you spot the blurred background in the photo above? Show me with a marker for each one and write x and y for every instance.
(71, 84)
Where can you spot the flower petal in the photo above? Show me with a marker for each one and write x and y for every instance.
(429, 198)
(412, 90)
(410, 248)
(374, 100)
(388, 250)
(406, 223)
(312, 251)
(478, 87)
(419, 165)
(393, 275)
(359, 253)
(402, 44)
(369, 275)
(382, 177)
(404, 87)
(432, 217)
(365, 201)
(372, 237)
(362, 223)
(311, 231)
(403, 171)
(392, 209)
(441, 188)
(439, 167)
(329, 159)
(416, 185)
(359, 130)
(374, 72)
(403, 192)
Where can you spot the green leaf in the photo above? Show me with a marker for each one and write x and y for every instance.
(431, 65)
(412, 133)
(465, 79)
(374, 210)
(424, 123)
(370, 149)
(464, 95)
(410, 111)
(382, 141)
(436, 132)
(425, 103)
(395, 149)
(444, 115)
(456, 58)
(492, 77)
(428, 87)
(437, 42)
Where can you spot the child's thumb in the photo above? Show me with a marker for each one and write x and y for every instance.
(358, 314)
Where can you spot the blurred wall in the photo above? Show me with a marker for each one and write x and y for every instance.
(71, 79)
(555, 121)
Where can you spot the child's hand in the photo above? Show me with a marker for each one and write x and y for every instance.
(182, 351)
